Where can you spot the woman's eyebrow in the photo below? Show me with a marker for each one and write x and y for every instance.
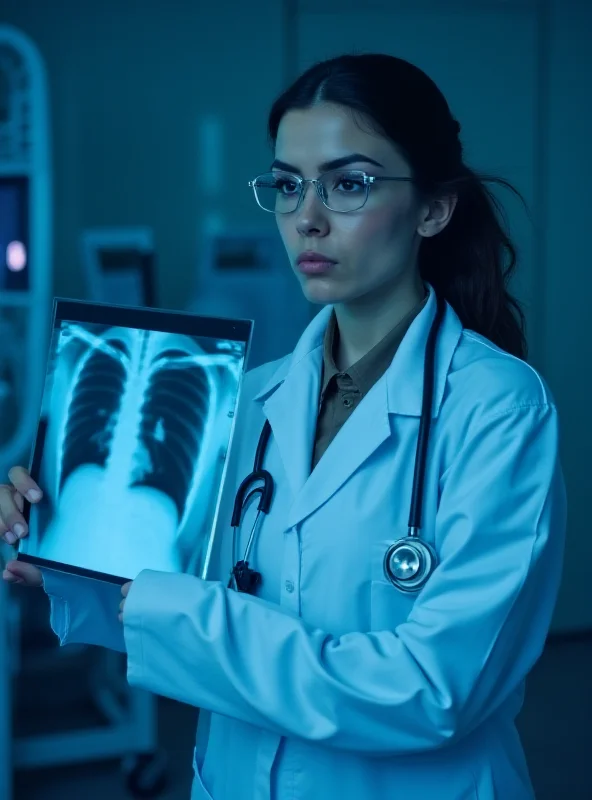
(336, 163)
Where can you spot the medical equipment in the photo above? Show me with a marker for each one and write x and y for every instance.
(25, 305)
(118, 264)
(25, 241)
(25, 280)
(244, 274)
(408, 562)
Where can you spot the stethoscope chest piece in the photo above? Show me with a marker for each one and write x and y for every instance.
(408, 563)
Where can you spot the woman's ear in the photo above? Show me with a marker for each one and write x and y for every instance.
(436, 214)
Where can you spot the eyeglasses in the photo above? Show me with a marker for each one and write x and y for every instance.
(342, 191)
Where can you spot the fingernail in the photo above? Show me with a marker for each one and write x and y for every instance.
(18, 529)
(33, 495)
(10, 537)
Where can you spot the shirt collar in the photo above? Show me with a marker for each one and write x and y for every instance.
(368, 369)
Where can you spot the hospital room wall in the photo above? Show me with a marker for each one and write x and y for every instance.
(567, 284)
(130, 85)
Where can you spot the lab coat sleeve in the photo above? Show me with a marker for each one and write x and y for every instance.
(84, 611)
(474, 632)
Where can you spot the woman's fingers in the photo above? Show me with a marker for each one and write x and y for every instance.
(21, 572)
(12, 522)
(9, 577)
(24, 484)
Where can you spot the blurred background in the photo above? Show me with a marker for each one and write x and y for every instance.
(128, 133)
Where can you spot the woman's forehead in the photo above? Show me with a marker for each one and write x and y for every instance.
(308, 138)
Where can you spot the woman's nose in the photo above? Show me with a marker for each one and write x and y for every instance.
(312, 213)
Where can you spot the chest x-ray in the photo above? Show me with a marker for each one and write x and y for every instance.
(136, 422)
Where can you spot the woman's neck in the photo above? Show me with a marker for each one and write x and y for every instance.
(367, 321)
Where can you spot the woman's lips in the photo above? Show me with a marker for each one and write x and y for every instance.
(315, 267)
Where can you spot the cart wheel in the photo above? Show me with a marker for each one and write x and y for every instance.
(146, 774)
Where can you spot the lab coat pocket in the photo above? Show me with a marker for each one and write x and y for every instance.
(389, 607)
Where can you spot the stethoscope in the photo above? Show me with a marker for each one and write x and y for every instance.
(408, 562)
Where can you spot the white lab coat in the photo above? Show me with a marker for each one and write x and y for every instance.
(332, 683)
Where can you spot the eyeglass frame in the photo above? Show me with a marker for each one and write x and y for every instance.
(368, 181)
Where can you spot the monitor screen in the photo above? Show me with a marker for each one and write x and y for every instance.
(14, 233)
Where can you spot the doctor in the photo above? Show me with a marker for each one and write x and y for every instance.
(329, 681)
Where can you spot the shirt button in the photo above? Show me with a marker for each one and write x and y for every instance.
(348, 402)
(289, 586)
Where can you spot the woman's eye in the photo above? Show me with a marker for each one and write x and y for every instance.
(350, 184)
(286, 187)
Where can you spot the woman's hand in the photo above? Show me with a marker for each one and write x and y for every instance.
(124, 591)
(13, 526)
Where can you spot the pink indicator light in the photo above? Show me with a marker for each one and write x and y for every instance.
(16, 256)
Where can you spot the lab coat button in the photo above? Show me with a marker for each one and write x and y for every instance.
(289, 586)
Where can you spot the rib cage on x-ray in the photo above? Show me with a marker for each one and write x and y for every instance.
(96, 398)
(172, 417)
(177, 403)
(142, 406)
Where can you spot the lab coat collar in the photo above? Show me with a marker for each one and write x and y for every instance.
(306, 347)
(290, 401)
(404, 378)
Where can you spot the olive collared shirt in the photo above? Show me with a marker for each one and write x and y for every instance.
(342, 392)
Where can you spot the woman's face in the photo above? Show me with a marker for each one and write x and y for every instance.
(375, 248)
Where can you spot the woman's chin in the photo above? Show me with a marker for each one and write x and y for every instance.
(321, 292)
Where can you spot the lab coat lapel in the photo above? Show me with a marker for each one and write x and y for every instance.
(290, 401)
(292, 414)
(361, 435)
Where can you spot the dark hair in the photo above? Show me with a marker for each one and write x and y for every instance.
(471, 261)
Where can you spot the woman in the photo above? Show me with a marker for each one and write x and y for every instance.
(330, 682)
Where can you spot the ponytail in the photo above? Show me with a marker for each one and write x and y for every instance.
(470, 263)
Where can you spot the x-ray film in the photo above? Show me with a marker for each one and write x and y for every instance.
(136, 422)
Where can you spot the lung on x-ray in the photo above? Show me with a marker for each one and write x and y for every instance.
(136, 422)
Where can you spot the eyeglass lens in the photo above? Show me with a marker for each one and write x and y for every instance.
(342, 190)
